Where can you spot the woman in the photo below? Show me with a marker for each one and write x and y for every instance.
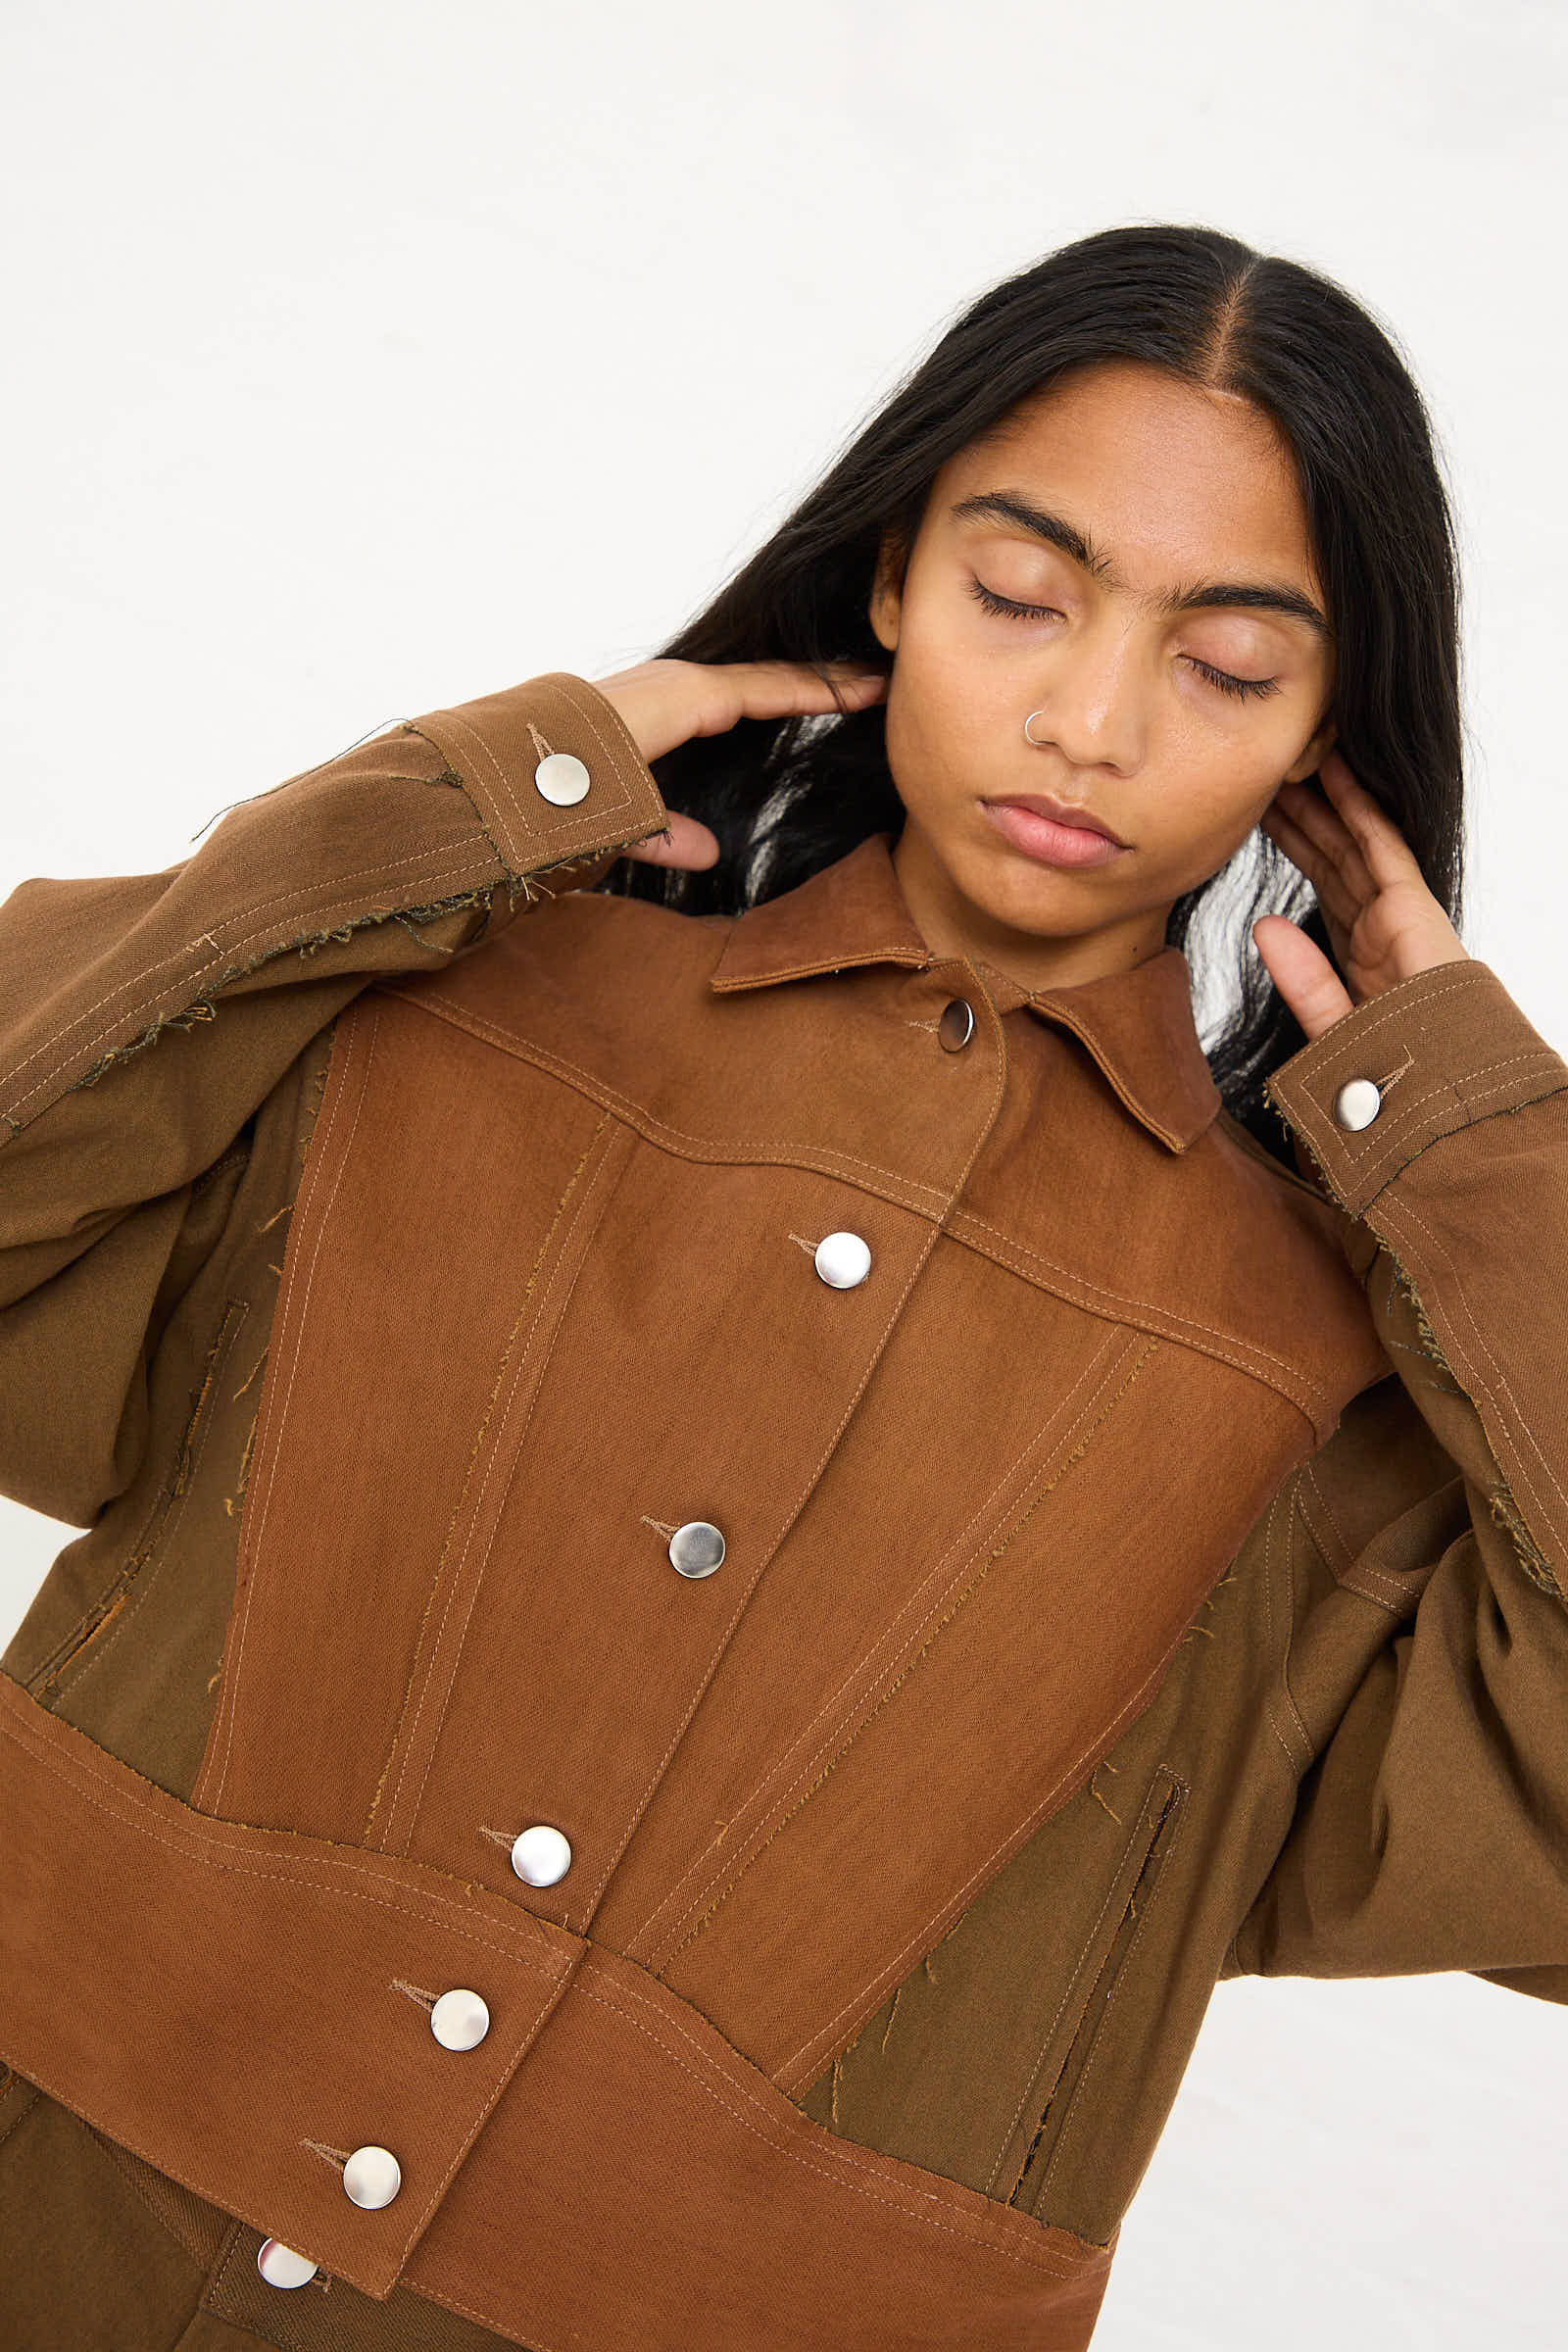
(923, 1516)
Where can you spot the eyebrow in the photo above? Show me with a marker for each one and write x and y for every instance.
(1258, 595)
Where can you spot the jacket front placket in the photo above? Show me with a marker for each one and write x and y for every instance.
(556, 1432)
(502, 1424)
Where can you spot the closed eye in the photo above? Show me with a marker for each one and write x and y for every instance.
(1226, 683)
(1004, 603)
(1010, 609)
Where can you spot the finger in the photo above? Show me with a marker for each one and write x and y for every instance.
(729, 691)
(688, 842)
(1334, 893)
(1386, 854)
(1339, 912)
(1302, 974)
(1315, 815)
(780, 689)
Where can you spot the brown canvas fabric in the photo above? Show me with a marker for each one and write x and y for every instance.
(790, 2235)
(1153, 1569)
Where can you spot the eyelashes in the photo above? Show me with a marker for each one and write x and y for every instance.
(1241, 687)
(1004, 603)
(1007, 609)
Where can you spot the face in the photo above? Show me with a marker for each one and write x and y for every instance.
(1173, 723)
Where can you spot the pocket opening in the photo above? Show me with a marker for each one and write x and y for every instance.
(1166, 1796)
(46, 1685)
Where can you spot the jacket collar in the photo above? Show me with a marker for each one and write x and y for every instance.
(1138, 1025)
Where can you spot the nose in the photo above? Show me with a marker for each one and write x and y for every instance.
(1089, 698)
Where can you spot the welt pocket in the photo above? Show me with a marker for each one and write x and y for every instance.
(1118, 1924)
(110, 1606)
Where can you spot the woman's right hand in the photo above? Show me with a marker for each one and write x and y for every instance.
(665, 703)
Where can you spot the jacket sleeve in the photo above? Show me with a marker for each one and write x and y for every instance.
(145, 1018)
(1424, 1700)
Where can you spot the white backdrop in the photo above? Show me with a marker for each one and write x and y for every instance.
(364, 358)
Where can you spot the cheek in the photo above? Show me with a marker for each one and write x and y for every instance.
(939, 706)
(1203, 807)
(1232, 759)
(938, 666)
(965, 698)
(913, 739)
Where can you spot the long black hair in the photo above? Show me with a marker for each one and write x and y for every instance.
(786, 797)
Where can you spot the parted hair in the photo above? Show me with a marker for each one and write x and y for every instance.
(786, 797)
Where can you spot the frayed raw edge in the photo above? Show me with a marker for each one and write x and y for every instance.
(1505, 1511)
(1499, 1498)
(1431, 1345)
(204, 1007)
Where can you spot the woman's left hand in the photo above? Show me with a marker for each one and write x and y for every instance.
(1382, 922)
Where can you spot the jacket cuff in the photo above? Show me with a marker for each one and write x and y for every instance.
(1433, 1054)
(518, 755)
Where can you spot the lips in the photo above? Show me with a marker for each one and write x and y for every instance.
(1050, 844)
(1061, 813)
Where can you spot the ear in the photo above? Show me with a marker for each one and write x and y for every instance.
(1312, 754)
(886, 604)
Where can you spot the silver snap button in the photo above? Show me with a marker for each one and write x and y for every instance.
(697, 1548)
(280, 2266)
(842, 1259)
(541, 1855)
(562, 778)
(1358, 1103)
(956, 1025)
(372, 2177)
(460, 2020)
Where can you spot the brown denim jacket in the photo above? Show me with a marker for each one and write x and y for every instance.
(947, 1548)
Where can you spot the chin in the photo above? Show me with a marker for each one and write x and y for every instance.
(1008, 889)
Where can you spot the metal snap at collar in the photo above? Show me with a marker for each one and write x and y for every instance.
(280, 2266)
(956, 1025)
(372, 2177)
(1358, 1103)
(562, 778)
(697, 1548)
(842, 1259)
(541, 1855)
